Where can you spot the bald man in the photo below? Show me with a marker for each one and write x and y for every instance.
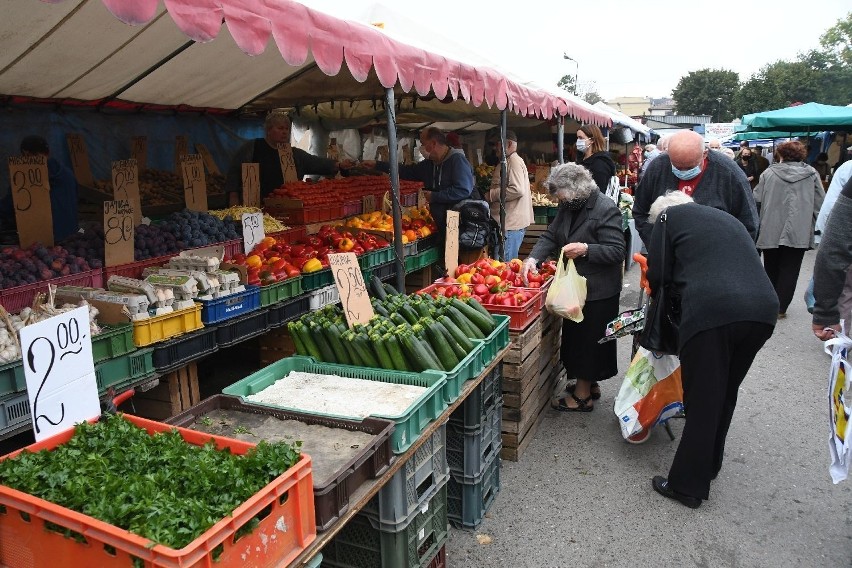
(709, 178)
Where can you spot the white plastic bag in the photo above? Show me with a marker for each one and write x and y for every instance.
(567, 294)
(840, 406)
(651, 392)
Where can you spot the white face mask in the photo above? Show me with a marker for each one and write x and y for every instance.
(424, 152)
(582, 144)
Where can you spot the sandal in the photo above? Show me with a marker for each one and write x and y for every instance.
(582, 405)
(595, 390)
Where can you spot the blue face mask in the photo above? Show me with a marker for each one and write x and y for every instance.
(686, 174)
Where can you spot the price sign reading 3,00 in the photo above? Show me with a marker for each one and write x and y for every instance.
(253, 231)
(60, 373)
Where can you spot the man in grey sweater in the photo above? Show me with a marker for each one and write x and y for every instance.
(833, 269)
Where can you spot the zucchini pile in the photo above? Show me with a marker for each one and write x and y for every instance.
(408, 333)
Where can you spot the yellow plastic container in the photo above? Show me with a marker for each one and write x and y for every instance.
(160, 328)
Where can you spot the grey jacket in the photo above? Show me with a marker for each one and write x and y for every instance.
(833, 265)
(598, 225)
(790, 195)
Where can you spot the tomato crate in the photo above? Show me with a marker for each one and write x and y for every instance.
(17, 298)
(127, 368)
(160, 328)
(135, 269)
(35, 529)
(176, 353)
(12, 378)
(376, 257)
(334, 480)
(113, 341)
(241, 328)
(354, 207)
(408, 199)
(475, 409)
(294, 212)
(289, 236)
(318, 279)
(282, 312)
(409, 424)
(497, 340)
(362, 543)
(470, 452)
(280, 291)
(14, 411)
(520, 316)
(468, 501)
(230, 306)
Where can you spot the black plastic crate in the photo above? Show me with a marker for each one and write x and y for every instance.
(281, 313)
(385, 271)
(469, 453)
(426, 243)
(242, 328)
(178, 352)
(467, 502)
(485, 397)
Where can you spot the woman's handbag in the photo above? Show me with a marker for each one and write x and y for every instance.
(662, 315)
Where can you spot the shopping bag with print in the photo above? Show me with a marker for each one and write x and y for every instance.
(839, 406)
(650, 393)
(567, 294)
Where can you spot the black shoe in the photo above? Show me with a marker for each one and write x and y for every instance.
(661, 486)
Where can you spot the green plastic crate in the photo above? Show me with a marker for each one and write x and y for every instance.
(421, 260)
(497, 340)
(12, 377)
(409, 425)
(318, 279)
(551, 212)
(540, 210)
(114, 341)
(124, 370)
(468, 368)
(375, 258)
(540, 219)
(280, 291)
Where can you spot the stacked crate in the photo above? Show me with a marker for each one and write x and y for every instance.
(473, 452)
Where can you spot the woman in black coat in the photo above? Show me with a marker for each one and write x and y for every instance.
(587, 228)
(591, 145)
(728, 311)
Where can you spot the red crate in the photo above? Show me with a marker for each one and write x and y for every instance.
(519, 316)
(408, 199)
(354, 207)
(135, 269)
(17, 298)
(286, 530)
(291, 235)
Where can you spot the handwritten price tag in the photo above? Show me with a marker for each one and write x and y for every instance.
(125, 186)
(451, 248)
(251, 185)
(31, 198)
(80, 159)
(60, 372)
(351, 287)
(194, 182)
(139, 151)
(181, 149)
(369, 203)
(209, 162)
(421, 199)
(253, 231)
(541, 175)
(118, 232)
(288, 166)
(407, 158)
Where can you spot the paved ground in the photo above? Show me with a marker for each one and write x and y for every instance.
(581, 496)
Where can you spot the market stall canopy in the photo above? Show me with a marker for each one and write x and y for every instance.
(767, 136)
(619, 117)
(75, 50)
(809, 116)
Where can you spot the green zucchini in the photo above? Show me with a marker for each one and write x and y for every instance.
(310, 345)
(420, 358)
(464, 324)
(365, 350)
(484, 323)
(332, 335)
(474, 303)
(325, 350)
(382, 352)
(443, 349)
(395, 351)
(378, 290)
(456, 333)
(457, 347)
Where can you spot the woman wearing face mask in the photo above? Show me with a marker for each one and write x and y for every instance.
(587, 229)
(591, 147)
(749, 166)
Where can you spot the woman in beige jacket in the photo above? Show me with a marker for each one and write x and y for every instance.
(519, 208)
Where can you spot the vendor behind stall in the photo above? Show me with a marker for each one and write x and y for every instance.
(264, 151)
(63, 192)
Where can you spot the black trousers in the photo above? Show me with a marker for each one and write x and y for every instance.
(713, 364)
(782, 266)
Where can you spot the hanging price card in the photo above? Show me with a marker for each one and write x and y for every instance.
(541, 175)
(288, 166)
(31, 198)
(181, 149)
(80, 159)
(421, 198)
(253, 231)
(251, 185)
(451, 248)
(194, 183)
(59, 372)
(209, 162)
(118, 232)
(351, 287)
(369, 203)
(125, 186)
(139, 151)
(333, 151)
(382, 153)
(407, 158)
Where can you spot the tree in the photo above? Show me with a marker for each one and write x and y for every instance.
(592, 97)
(836, 42)
(779, 85)
(707, 91)
(567, 83)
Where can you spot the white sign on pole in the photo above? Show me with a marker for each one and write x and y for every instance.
(719, 130)
(60, 372)
(253, 231)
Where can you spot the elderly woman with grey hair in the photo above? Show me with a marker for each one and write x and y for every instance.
(587, 229)
(728, 310)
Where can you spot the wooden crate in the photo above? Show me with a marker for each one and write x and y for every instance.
(522, 343)
(176, 392)
(517, 391)
(274, 345)
(519, 371)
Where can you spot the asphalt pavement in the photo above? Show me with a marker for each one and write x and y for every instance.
(581, 496)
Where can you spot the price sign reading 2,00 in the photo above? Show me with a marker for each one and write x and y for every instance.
(68, 341)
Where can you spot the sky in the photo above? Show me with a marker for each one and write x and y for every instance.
(623, 48)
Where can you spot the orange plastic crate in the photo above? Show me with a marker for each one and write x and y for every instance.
(286, 504)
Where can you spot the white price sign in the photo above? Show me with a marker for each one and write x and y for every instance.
(252, 230)
(60, 372)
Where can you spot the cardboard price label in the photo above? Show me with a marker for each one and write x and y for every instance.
(119, 230)
(181, 149)
(253, 231)
(541, 175)
(407, 158)
(80, 159)
(288, 166)
(350, 285)
(251, 185)
(31, 198)
(421, 198)
(139, 151)
(451, 248)
(125, 186)
(382, 153)
(333, 151)
(209, 162)
(194, 183)
(369, 203)
(60, 372)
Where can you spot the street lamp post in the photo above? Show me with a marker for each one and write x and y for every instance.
(576, 69)
(719, 109)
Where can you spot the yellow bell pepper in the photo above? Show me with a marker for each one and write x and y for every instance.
(312, 265)
(464, 278)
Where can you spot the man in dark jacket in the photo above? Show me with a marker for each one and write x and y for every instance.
(708, 177)
(833, 269)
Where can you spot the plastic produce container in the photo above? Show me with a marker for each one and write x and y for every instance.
(479, 403)
(176, 353)
(282, 312)
(318, 279)
(17, 298)
(12, 378)
(161, 328)
(239, 329)
(468, 453)
(125, 370)
(497, 340)
(469, 500)
(230, 306)
(14, 411)
(113, 341)
(280, 291)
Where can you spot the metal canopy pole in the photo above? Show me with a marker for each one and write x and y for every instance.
(560, 139)
(504, 181)
(399, 256)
